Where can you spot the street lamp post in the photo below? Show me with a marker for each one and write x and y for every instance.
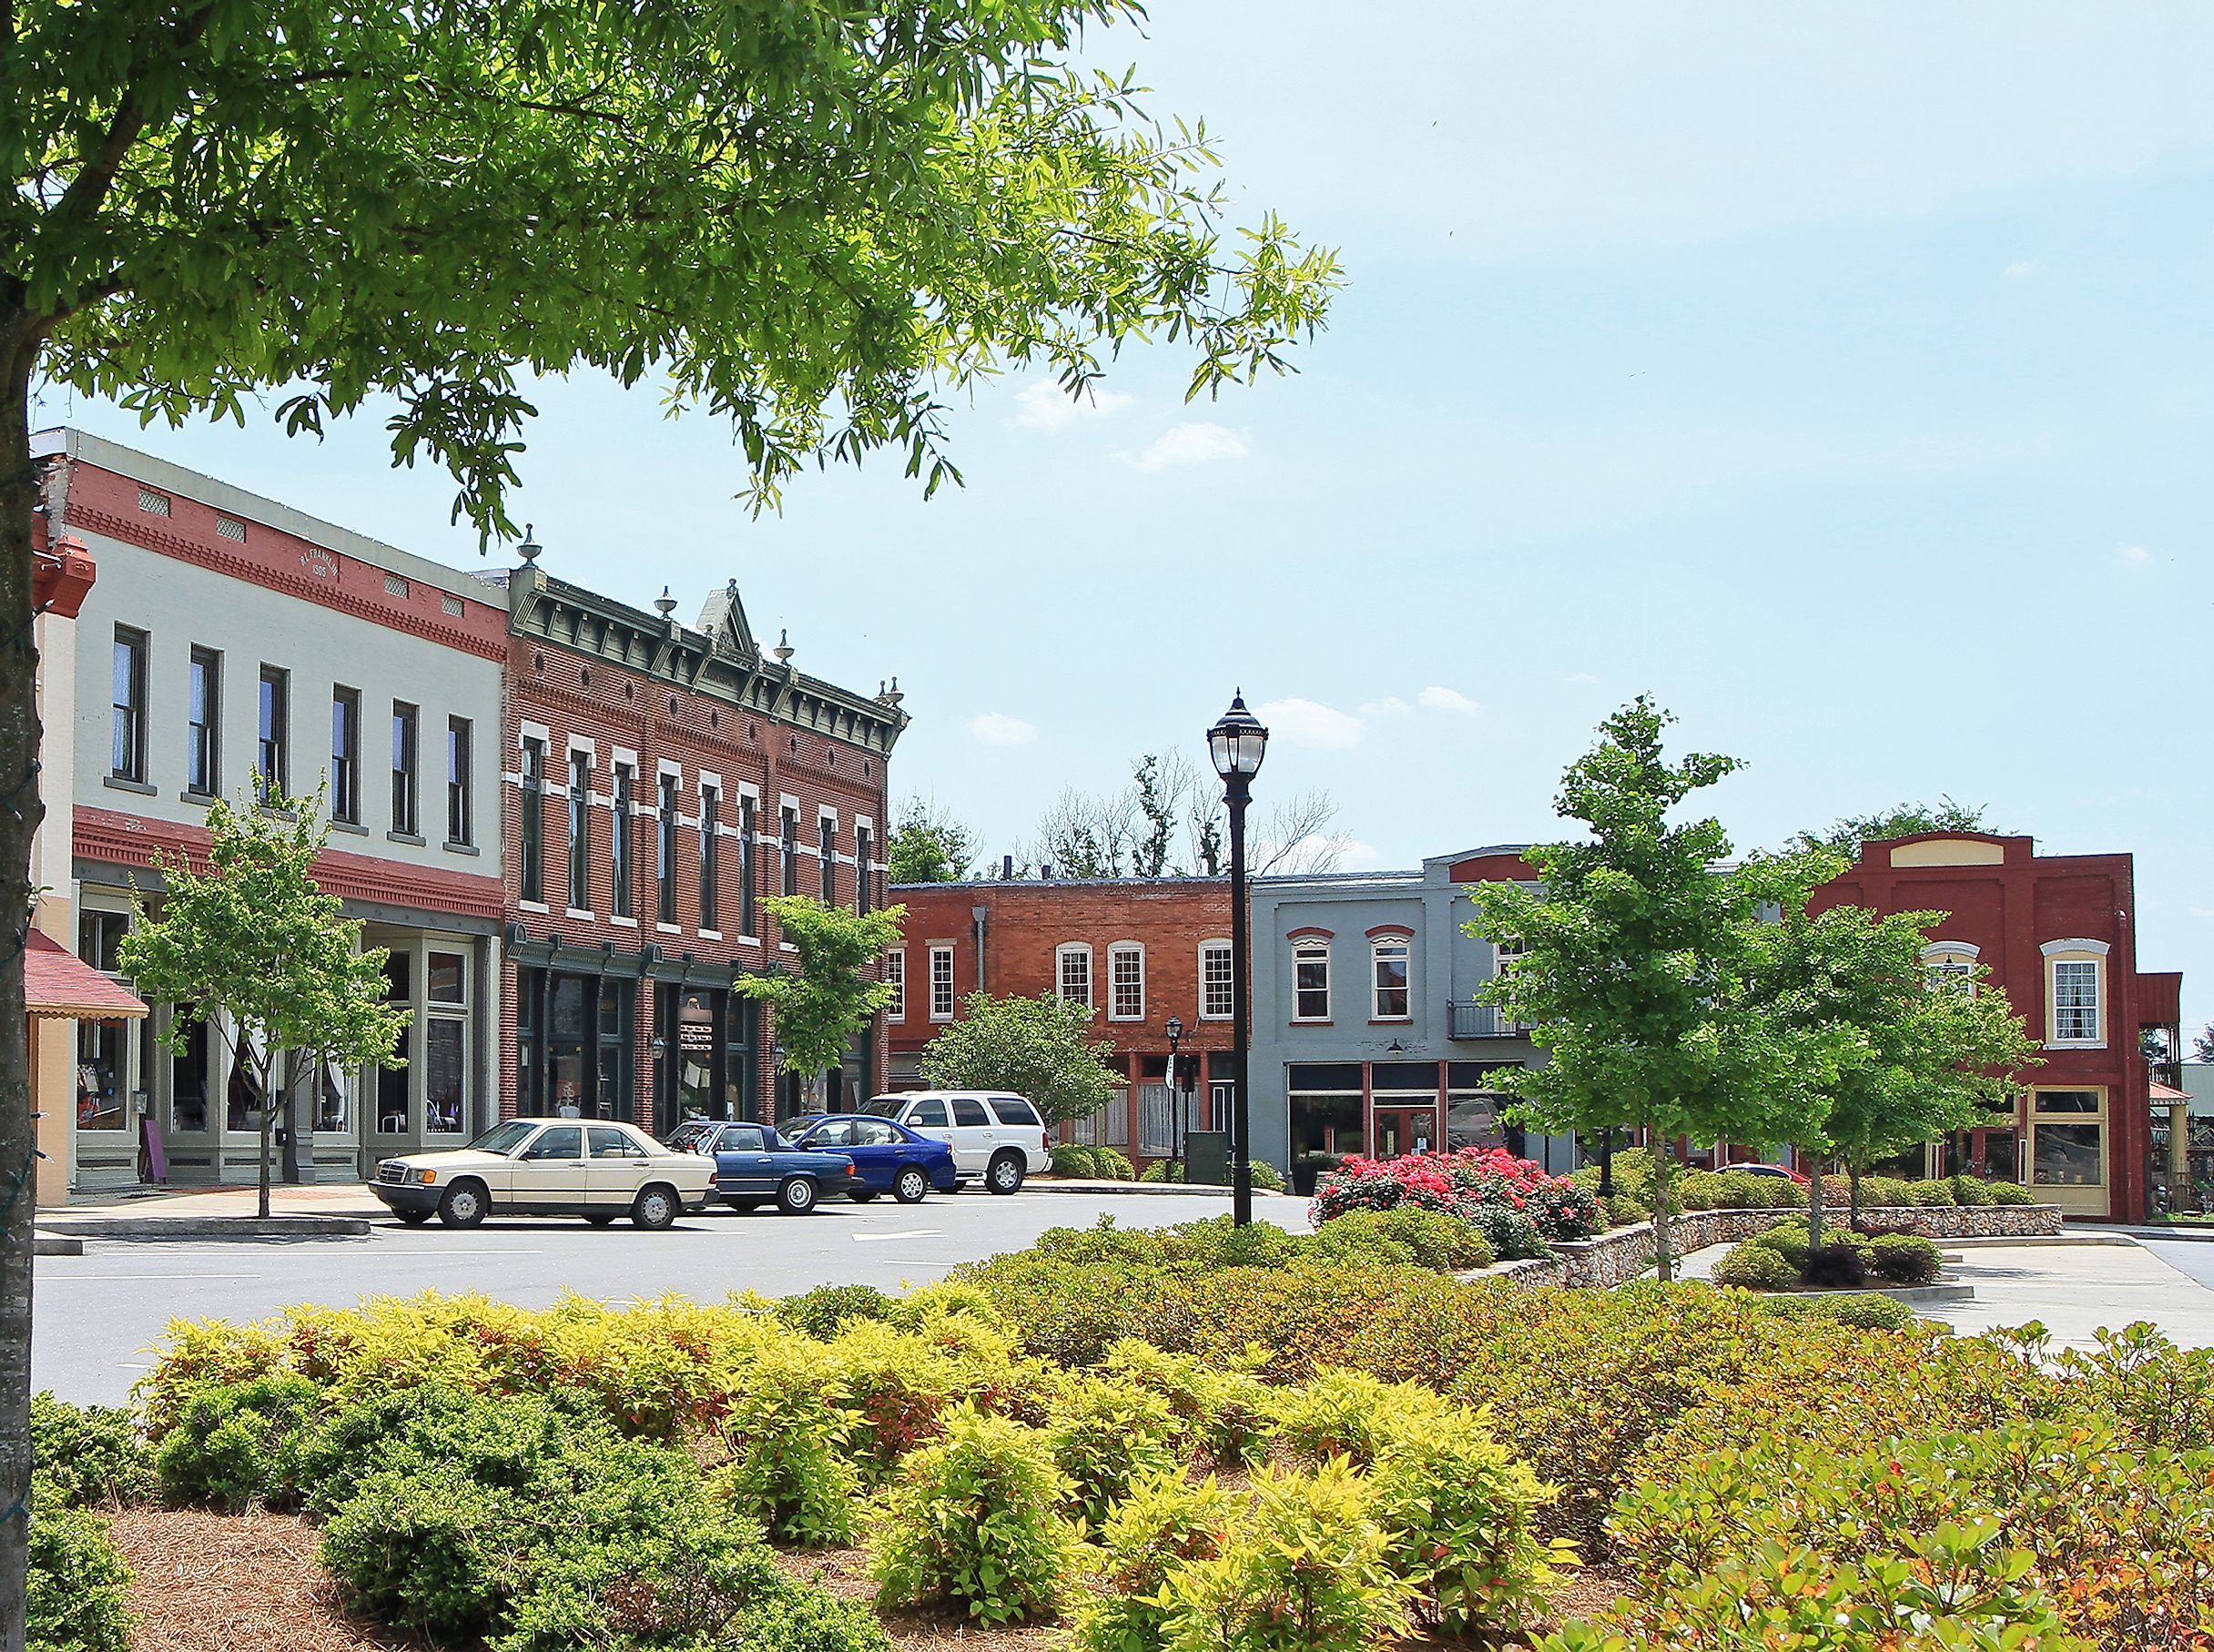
(1175, 1032)
(1237, 743)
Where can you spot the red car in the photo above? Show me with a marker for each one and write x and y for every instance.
(1764, 1169)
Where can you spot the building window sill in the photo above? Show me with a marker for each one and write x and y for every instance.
(2075, 1043)
(414, 838)
(1303, 1020)
(1391, 1020)
(454, 847)
(578, 913)
(669, 929)
(749, 941)
(621, 922)
(710, 934)
(117, 783)
(353, 828)
(533, 906)
(199, 800)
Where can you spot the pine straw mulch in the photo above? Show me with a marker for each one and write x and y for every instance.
(231, 1583)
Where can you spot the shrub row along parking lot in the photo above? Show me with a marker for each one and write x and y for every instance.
(1199, 1440)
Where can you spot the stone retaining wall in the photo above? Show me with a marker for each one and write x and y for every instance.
(1626, 1253)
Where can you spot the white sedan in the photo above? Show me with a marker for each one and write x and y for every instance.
(547, 1167)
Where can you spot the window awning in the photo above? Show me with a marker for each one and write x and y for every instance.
(2167, 1095)
(58, 986)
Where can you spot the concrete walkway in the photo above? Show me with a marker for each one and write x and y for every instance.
(2072, 1289)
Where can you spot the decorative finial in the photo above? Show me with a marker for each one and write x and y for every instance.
(530, 547)
(665, 602)
(784, 649)
(892, 696)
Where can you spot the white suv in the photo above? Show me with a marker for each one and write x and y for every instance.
(997, 1136)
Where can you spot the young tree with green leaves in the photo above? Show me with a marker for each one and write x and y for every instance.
(1900, 820)
(1916, 1056)
(825, 223)
(253, 949)
(833, 989)
(929, 847)
(1039, 1048)
(1636, 949)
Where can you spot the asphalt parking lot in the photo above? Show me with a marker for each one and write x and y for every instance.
(97, 1315)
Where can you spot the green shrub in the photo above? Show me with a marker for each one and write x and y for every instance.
(1307, 1569)
(1906, 1260)
(90, 1457)
(235, 1444)
(1166, 1523)
(1114, 1164)
(1743, 1190)
(1343, 1413)
(1885, 1193)
(1835, 1264)
(822, 1312)
(1862, 1310)
(1264, 1175)
(2009, 1192)
(791, 1464)
(1104, 1432)
(1407, 1233)
(1162, 1171)
(1511, 1235)
(1971, 1190)
(78, 1596)
(1936, 1191)
(975, 1522)
(1787, 1240)
(1074, 1158)
(805, 1620)
(1753, 1266)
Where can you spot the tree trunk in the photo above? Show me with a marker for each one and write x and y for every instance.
(269, 1126)
(1814, 1194)
(20, 813)
(1852, 1175)
(1664, 1256)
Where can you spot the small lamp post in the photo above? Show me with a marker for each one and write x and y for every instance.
(1237, 743)
(1175, 1032)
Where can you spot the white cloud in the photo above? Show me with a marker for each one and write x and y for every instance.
(1448, 699)
(1390, 706)
(2137, 556)
(1311, 723)
(1353, 856)
(1191, 444)
(1046, 406)
(997, 728)
(2023, 270)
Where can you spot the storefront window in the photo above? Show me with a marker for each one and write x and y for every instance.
(612, 1098)
(333, 1107)
(2067, 1156)
(567, 1045)
(395, 1085)
(242, 1090)
(189, 1082)
(101, 1076)
(447, 974)
(444, 1041)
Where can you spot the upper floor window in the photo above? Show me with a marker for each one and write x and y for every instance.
(405, 819)
(862, 876)
(748, 827)
(1215, 988)
(1950, 963)
(126, 746)
(826, 855)
(204, 725)
(619, 828)
(580, 831)
(1506, 957)
(788, 851)
(1387, 956)
(1126, 983)
(459, 825)
(271, 759)
(346, 755)
(1311, 981)
(895, 977)
(710, 852)
(942, 983)
(531, 831)
(1072, 973)
(2076, 991)
(665, 850)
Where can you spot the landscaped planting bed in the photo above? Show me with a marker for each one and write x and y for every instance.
(1201, 1441)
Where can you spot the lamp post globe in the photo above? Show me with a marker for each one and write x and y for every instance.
(1237, 743)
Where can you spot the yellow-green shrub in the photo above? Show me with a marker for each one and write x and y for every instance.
(788, 1435)
(1104, 1432)
(1166, 1523)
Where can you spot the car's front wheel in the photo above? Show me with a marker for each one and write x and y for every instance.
(465, 1205)
(1005, 1175)
(655, 1209)
(797, 1196)
(911, 1186)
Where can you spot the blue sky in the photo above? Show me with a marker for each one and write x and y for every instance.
(1842, 375)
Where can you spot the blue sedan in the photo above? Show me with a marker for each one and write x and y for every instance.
(891, 1157)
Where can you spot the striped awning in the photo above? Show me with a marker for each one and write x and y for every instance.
(58, 986)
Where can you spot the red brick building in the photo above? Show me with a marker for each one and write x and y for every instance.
(660, 781)
(1139, 950)
(2058, 933)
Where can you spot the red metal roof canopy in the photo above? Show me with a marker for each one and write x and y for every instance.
(57, 986)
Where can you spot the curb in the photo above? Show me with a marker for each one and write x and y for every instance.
(2189, 1236)
(55, 1244)
(155, 1229)
(1986, 1240)
(1155, 1189)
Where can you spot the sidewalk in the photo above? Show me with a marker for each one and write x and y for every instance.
(324, 1199)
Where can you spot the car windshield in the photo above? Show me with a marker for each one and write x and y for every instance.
(504, 1139)
(883, 1107)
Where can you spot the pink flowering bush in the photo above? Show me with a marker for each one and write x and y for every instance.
(1488, 1188)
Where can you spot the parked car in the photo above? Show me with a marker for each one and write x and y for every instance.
(993, 1134)
(546, 1167)
(892, 1158)
(753, 1164)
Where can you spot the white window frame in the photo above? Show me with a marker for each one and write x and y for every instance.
(1115, 954)
(1378, 946)
(2075, 951)
(1951, 964)
(1062, 955)
(1304, 951)
(1207, 950)
(941, 949)
(895, 977)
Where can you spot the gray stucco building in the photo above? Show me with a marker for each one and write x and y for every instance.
(1367, 1037)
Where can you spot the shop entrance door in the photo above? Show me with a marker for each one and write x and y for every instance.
(1405, 1129)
